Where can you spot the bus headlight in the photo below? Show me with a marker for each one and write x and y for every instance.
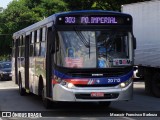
(63, 83)
(67, 84)
(126, 83)
(70, 85)
(122, 85)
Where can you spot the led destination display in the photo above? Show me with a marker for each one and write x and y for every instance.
(93, 20)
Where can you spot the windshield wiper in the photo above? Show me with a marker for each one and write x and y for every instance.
(83, 39)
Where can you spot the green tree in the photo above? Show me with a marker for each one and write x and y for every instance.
(79, 4)
(22, 13)
(14, 18)
(18, 16)
(49, 7)
(98, 4)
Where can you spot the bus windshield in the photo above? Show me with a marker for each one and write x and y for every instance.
(93, 49)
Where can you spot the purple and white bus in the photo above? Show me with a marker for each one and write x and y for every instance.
(80, 56)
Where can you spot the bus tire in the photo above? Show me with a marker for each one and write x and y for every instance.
(21, 89)
(105, 104)
(147, 80)
(46, 102)
(40, 86)
(156, 85)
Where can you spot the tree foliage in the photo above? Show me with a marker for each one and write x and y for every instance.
(22, 13)
(99, 4)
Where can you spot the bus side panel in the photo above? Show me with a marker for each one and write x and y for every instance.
(50, 39)
(27, 62)
(22, 60)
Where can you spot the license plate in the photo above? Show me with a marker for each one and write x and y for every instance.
(97, 94)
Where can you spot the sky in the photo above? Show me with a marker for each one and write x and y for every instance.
(4, 3)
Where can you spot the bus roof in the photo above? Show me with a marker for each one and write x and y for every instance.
(52, 18)
(90, 11)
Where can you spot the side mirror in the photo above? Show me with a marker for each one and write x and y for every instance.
(134, 43)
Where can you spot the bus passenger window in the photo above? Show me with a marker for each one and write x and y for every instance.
(31, 48)
(42, 42)
(37, 49)
(43, 49)
(37, 43)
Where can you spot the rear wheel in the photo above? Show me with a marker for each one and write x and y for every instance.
(40, 86)
(46, 102)
(21, 89)
(156, 85)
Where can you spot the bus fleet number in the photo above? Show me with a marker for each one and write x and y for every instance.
(114, 80)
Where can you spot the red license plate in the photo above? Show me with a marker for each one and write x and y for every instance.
(97, 94)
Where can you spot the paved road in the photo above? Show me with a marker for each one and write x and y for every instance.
(10, 100)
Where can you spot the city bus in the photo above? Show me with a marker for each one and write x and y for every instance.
(77, 56)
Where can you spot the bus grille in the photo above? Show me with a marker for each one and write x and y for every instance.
(104, 74)
(96, 85)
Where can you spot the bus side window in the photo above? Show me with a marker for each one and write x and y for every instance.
(42, 41)
(13, 48)
(37, 43)
(19, 50)
(22, 46)
(31, 45)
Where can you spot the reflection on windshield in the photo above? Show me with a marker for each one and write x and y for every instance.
(92, 49)
(112, 48)
(78, 49)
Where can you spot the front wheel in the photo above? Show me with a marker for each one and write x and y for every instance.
(156, 85)
(147, 79)
(46, 102)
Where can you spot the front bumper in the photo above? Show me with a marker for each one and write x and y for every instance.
(61, 93)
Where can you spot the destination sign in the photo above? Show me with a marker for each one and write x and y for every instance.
(93, 20)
